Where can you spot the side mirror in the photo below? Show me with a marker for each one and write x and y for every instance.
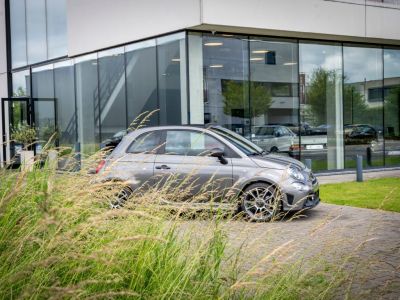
(219, 153)
(277, 134)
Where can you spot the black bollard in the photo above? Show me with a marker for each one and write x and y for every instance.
(359, 168)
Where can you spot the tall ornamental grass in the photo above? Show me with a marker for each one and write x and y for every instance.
(59, 239)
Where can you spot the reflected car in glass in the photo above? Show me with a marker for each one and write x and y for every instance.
(219, 162)
(360, 134)
(113, 141)
(273, 138)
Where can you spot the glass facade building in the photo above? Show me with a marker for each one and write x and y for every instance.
(318, 100)
(308, 99)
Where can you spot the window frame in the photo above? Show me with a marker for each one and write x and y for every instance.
(157, 151)
(228, 151)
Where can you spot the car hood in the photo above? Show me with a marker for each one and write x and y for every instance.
(277, 161)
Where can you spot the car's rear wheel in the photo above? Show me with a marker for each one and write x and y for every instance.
(274, 149)
(260, 202)
(121, 197)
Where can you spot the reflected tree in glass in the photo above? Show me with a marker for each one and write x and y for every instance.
(233, 99)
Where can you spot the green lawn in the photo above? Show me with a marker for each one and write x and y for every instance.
(377, 193)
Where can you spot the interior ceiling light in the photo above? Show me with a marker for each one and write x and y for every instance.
(216, 66)
(176, 59)
(256, 58)
(259, 51)
(290, 64)
(213, 44)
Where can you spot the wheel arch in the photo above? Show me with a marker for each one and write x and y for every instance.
(247, 184)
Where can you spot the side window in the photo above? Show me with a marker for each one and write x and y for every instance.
(278, 132)
(190, 143)
(146, 143)
(285, 132)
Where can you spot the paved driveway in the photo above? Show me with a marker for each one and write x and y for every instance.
(366, 242)
(351, 176)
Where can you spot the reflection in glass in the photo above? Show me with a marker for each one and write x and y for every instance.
(321, 105)
(36, 30)
(141, 80)
(363, 114)
(112, 92)
(44, 104)
(65, 97)
(18, 33)
(21, 83)
(226, 95)
(196, 80)
(56, 28)
(274, 102)
(171, 60)
(87, 103)
(391, 92)
(18, 116)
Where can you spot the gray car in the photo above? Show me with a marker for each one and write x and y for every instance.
(217, 160)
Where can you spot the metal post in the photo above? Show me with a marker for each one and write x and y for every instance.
(359, 168)
(308, 163)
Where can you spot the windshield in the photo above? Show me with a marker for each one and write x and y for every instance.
(264, 130)
(240, 142)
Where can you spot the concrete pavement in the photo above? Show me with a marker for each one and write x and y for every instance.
(347, 176)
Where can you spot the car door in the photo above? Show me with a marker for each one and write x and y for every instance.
(137, 165)
(186, 166)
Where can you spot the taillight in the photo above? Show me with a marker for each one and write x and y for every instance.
(100, 166)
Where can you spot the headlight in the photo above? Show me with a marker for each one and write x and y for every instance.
(296, 174)
(300, 187)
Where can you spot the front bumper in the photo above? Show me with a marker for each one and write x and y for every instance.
(295, 199)
(312, 200)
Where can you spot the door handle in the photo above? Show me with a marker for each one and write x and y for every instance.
(163, 167)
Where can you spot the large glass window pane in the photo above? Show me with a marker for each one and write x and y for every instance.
(112, 92)
(87, 100)
(21, 83)
(44, 103)
(226, 92)
(321, 105)
(36, 30)
(141, 80)
(391, 92)
(172, 93)
(65, 99)
(18, 33)
(43, 82)
(56, 28)
(273, 87)
(363, 104)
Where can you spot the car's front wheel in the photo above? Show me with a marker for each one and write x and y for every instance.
(260, 202)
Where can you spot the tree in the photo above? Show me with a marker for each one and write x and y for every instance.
(322, 90)
(392, 112)
(355, 110)
(20, 92)
(316, 93)
(234, 94)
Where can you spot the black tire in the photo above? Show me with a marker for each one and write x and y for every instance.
(260, 202)
(121, 197)
(274, 149)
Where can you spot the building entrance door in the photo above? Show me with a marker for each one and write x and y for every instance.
(40, 113)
